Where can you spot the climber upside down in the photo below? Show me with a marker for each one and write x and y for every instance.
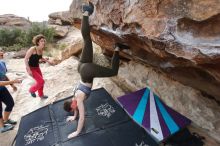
(88, 71)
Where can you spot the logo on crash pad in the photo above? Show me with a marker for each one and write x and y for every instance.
(105, 110)
(141, 144)
(36, 134)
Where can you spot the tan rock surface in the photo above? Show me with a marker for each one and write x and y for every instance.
(180, 38)
(11, 21)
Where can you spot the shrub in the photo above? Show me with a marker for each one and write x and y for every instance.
(9, 37)
(15, 47)
(14, 38)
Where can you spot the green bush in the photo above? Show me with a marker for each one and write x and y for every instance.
(15, 47)
(9, 37)
(15, 39)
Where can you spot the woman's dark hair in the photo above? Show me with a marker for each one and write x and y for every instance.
(67, 106)
(37, 38)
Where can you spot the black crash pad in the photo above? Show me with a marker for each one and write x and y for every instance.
(106, 124)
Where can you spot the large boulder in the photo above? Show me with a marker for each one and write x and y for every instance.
(60, 18)
(180, 38)
(60, 31)
(13, 21)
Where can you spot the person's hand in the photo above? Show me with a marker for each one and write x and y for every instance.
(29, 71)
(74, 134)
(14, 88)
(47, 58)
(70, 118)
(16, 81)
(44, 60)
(48, 61)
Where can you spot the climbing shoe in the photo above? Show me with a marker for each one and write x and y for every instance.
(9, 121)
(6, 127)
(33, 94)
(89, 8)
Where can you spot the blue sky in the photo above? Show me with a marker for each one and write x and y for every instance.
(36, 10)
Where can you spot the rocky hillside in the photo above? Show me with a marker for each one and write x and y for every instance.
(11, 21)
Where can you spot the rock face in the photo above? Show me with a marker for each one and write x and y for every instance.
(180, 38)
(12, 21)
(60, 21)
(60, 31)
(60, 18)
